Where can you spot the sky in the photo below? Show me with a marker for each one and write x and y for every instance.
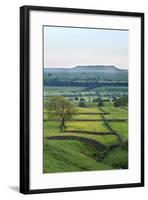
(66, 47)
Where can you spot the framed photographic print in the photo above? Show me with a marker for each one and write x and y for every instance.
(81, 99)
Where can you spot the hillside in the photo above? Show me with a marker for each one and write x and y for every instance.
(79, 75)
(98, 68)
(88, 68)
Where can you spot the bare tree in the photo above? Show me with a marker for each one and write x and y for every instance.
(62, 107)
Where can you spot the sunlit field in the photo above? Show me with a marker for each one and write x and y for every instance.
(64, 155)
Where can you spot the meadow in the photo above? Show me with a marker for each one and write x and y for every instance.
(68, 155)
(95, 137)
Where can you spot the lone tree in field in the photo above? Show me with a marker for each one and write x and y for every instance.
(62, 107)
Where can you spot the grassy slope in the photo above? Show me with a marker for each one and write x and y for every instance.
(118, 158)
(60, 156)
(121, 128)
(117, 113)
(67, 156)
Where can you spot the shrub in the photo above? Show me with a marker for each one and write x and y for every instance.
(82, 104)
(94, 100)
(82, 99)
(122, 101)
(100, 102)
(76, 98)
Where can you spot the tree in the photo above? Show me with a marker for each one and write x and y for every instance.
(76, 98)
(82, 99)
(114, 98)
(122, 101)
(82, 104)
(94, 100)
(117, 103)
(89, 99)
(61, 107)
(100, 102)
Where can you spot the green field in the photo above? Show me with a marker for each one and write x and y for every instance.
(87, 109)
(118, 158)
(52, 129)
(121, 128)
(86, 126)
(83, 91)
(68, 155)
(48, 90)
(86, 116)
(94, 137)
(115, 113)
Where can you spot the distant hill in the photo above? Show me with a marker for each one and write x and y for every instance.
(88, 68)
(84, 75)
(99, 68)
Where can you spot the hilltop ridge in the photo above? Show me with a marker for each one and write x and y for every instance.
(85, 68)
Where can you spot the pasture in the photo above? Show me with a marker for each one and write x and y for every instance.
(95, 136)
(74, 155)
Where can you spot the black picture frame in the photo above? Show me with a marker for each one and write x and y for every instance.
(25, 91)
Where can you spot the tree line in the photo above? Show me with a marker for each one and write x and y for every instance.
(83, 83)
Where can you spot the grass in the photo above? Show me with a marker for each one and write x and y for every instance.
(113, 109)
(87, 110)
(86, 116)
(117, 158)
(77, 115)
(86, 126)
(121, 128)
(52, 129)
(115, 112)
(71, 155)
(67, 156)
(48, 90)
(117, 115)
(45, 116)
(112, 89)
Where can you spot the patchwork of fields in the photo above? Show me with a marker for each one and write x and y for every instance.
(78, 147)
(95, 136)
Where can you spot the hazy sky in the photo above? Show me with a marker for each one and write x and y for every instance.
(69, 47)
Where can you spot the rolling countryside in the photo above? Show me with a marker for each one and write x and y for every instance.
(85, 118)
